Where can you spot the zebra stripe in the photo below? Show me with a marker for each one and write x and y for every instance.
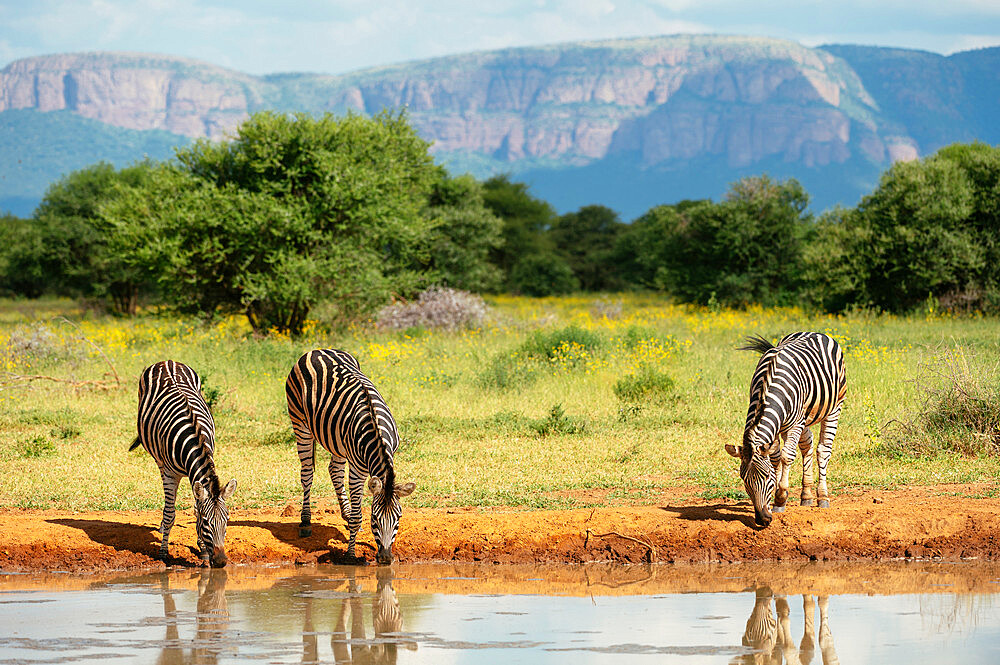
(176, 428)
(796, 384)
(770, 636)
(330, 401)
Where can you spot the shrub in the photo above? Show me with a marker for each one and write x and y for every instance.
(647, 384)
(437, 307)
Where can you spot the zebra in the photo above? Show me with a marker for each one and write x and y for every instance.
(176, 428)
(770, 636)
(332, 403)
(798, 383)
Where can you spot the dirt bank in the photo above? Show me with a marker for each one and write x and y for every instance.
(922, 522)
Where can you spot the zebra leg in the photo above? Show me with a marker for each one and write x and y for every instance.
(807, 647)
(825, 636)
(827, 430)
(337, 465)
(785, 465)
(170, 483)
(356, 484)
(307, 456)
(808, 450)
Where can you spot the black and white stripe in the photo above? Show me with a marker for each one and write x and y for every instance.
(332, 403)
(177, 429)
(769, 632)
(798, 383)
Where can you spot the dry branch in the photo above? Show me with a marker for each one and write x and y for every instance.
(647, 545)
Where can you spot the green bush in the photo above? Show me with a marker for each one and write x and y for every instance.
(647, 384)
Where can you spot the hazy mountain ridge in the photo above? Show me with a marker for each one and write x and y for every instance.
(649, 106)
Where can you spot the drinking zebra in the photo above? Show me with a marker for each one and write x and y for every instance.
(331, 402)
(798, 383)
(770, 636)
(176, 428)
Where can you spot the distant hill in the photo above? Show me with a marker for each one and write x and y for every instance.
(625, 123)
(38, 148)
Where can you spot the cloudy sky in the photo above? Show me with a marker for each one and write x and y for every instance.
(335, 36)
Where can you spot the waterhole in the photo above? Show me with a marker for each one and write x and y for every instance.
(899, 612)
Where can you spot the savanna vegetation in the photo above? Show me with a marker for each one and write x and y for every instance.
(303, 232)
(539, 403)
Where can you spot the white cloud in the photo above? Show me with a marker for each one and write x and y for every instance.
(262, 36)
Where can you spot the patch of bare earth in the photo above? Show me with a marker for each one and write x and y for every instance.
(949, 522)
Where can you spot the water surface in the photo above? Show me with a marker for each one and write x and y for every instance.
(436, 613)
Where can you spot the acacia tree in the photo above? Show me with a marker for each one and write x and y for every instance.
(293, 210)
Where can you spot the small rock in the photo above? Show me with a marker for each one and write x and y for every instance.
(877, 500)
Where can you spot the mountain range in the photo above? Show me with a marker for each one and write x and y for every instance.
(624, 123)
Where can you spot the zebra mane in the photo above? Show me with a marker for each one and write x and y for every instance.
(389, 481)
(198, 429)
(767, 363)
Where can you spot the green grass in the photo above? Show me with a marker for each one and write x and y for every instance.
(464, 441)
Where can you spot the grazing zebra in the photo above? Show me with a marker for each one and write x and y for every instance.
(331, 402)
(176, 428)
(798, 383)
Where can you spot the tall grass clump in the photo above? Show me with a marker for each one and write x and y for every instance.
(551, 344)
(647, 384)
(960, 410)
(506, 371)
(566, 348)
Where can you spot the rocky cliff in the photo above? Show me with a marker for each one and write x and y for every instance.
(734, 103)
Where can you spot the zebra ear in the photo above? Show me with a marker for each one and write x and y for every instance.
(404, 490)
(228, 490)
(200, 491)
(374, 485)
(731, 449)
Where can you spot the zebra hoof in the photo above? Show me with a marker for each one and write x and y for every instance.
(778, 509)
(305, 531)
(808, 502)
(823, 503)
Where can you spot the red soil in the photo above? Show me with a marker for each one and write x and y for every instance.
(919, 522)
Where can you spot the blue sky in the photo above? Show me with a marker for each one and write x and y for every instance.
(335, 36)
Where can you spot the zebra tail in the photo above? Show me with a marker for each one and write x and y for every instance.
(756, 343)
(135, 444)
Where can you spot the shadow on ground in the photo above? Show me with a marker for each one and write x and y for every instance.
(135, 538)
(720, 512)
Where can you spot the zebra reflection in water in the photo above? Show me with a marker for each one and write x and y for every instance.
(212, 622)
(353, 646)
(771, 636)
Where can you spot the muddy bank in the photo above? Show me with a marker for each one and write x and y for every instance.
(920, 523)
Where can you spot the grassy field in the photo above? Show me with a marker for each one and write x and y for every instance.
(546, 402)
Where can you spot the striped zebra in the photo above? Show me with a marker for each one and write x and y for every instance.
(798, 383)
(176, 428)
(332, 403)
(770, 636)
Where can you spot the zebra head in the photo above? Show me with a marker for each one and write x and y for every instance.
(386, 510)
(759, 478)
(211, 517)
